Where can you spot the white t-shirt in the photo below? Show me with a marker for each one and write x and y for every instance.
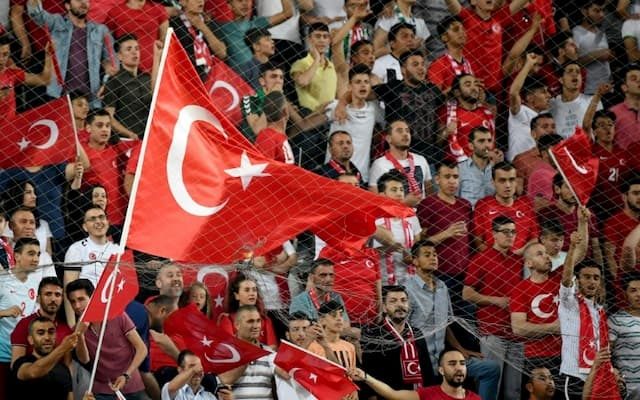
(384, 63)
(289, 29)
(568, 115)
(520, 139)
(13, 292)
(598, 72)
(360, 125)
(400, 236)
(382, 165)
(267, 284)
(91, 256)
(421, 27)
(328, 8)
(631, 28)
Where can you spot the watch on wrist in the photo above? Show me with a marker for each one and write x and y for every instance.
(127, 377)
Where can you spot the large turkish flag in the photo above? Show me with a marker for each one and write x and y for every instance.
(44, 135)
(576, 163)
(204, 194)
(227, 89)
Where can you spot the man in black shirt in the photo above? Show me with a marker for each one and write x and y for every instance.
(44, 374)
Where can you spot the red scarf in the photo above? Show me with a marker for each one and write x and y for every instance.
(409, 361)
(408, 243)
(314, 298)
(414, 187)
(459, 68)
(454, 146)
(589, 343)
(340, 169)
(201, 52)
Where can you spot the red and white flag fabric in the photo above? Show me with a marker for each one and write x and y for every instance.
(44, 135)
(225, 196)
(604, 384)
(227, 89)
(218, 350)
(576, 163)
(125, 282)
(320, 377)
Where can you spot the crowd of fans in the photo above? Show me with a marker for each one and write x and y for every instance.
(502, 284)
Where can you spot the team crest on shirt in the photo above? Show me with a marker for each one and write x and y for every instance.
(369, 264)
(548, 309)
(496, 28)
(486, 124)
(92, 256)
(519, 214)
(32, 293)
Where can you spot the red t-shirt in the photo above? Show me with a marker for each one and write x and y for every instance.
(132, 162)
(540, 302)
(522, 22)
(467, 120)
(521, 212)
(274, 144)
(144, 23)
(436, 393)
(106, 170)
(492, 273)
(436, 215)
(356, 277)
(21, 332)
(442, 71)
(10, 78)
(606, 197)
(484, 45)
(37, 34)
(617, 229)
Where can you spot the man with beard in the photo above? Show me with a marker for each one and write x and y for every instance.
(541, 385)
(475, 171)
(618, 227)
(187, 384)
(463, 113)
(50, 297)
(452, 367)
(393, 348)
(44, 374)
(413, 166)
(593, 49)
(82, 47)
(341, 151)
(536, 100)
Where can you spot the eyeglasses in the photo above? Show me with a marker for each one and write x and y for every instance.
(507, 232)
(96, 218)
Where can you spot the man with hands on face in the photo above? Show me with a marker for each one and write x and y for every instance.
(187, 385)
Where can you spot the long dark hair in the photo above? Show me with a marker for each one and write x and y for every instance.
(13, 198)
(231, 303)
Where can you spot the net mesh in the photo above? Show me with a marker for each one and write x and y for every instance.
(459, 93)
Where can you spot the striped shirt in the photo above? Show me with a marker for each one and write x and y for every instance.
(624, 334)
(256, 382)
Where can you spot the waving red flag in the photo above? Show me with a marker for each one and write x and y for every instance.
(218, 350)
(225, 196)
(604, 384)
(576, 163)
(41, 136)
(126, 287)
(322, 378)
(227, 89)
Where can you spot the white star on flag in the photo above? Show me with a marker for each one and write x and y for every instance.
(218, 301)
(556, 299)
(206, 342)
(23, 144)
(314, 378)
(121, 286)
(592, 344)
(246, 171)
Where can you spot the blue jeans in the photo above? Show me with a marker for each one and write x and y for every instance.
(487, 373)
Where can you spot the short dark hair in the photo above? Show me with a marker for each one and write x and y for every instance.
(338, 132)
(479, 128)
(162, 300)
(77, 94)
(445, 23)
(531, 84)
(500, 220)
(274, 106)
(23, 242)
(545, 142)
(551, 227)
(501, 166)
(254, 35)
(628, 68)
(49, 281)
(39, 320)
(608, 114)
(586, 263)
(392, 289)
(588, 3)
(92, 207)
(395, 29)
(455, 84)
(319, 262)
(557, 41)
(100, 112)
(557, 181)
(448, 163)
(6, 39)
(629, 277)
(629, 180)
(566, 65)
(534, 120)
(415, 249)
(330, 307)
(184, 354)
(80, 284)
(357, 45)
(124, 38)
(268, 66)
(298, 316)
(392, 176)
(358, 70)
(444, 352)
(318, 26)
(404, 57)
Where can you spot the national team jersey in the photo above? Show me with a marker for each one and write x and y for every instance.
(467, 120)
(9, 79)
(616, 229)
(436, 393)
(521, 212)
(91, 257)
(274, 144)
(606, 198)
(540, 302)
(444, 69)
(14, 292)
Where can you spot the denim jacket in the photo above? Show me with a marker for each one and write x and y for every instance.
(61, 30)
